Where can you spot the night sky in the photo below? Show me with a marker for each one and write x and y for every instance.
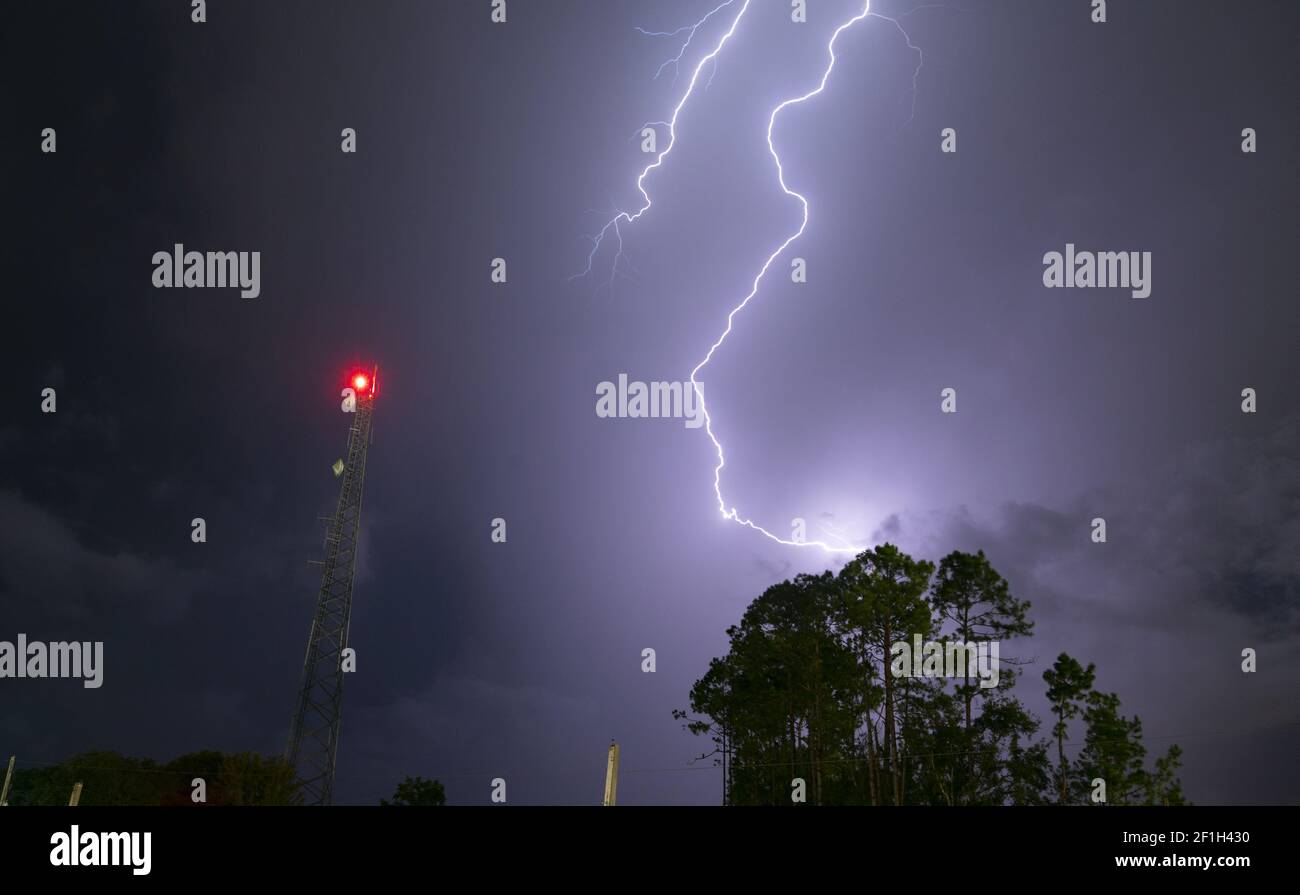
(476, 141)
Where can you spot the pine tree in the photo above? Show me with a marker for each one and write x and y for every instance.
(977, 601)
(1163, 785)
(1068, 684)
(881, 602)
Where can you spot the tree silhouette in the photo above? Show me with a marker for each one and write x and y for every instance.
(417, 791)
(1068, 684)
(807, 690)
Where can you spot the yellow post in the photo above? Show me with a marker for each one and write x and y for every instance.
(611, 775)
(9, 776)
(76, 795)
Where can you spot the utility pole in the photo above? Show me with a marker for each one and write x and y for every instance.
(314, 734)
(726, 767)
(9, 776)
(611, 775)
(76, 795)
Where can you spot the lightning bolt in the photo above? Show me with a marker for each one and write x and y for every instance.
(623, 218)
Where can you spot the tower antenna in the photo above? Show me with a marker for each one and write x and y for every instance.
(314, 735)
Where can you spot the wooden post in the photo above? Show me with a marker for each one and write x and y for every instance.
(76, 795)
(611, 775)
(9, 776)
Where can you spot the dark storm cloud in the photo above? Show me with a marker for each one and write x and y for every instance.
(45, 565)
(1217, 526)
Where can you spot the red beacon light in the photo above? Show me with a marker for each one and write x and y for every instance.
(363, 382)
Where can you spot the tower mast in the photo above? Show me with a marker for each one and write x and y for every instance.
(314, 735)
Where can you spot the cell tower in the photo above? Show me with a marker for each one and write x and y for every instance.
(314, 736)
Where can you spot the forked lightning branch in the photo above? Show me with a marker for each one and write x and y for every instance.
(613, 227)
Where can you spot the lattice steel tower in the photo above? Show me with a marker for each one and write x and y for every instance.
(314, 736)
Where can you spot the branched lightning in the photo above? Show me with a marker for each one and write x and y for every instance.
(629, 218)
(623, 217)
(676, 61)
